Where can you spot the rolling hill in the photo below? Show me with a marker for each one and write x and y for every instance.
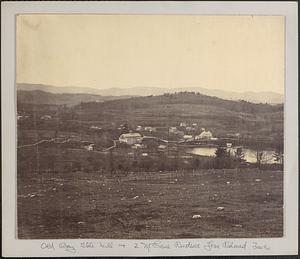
(42, 97)
(219, 115)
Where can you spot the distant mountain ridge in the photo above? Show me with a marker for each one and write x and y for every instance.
(43, 97)
(255, 97)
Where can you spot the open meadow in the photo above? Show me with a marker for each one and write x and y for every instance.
(198, 203)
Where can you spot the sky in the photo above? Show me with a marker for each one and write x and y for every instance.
(233, 53)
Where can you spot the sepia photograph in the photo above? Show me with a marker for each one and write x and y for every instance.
(150, 126)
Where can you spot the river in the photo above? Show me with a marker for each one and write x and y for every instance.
(249, 154)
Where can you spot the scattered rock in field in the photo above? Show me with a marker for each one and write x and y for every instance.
(69, 197)
(135, 197)
(69, 207)
(131, 189)
(32, 195)
(168, 221)
(215, 194)
(109, 188)
(149, 201)
(238, 225)
(202, 184)
(268, 193)
(228, 182)
(219, 176)
(123, 198)
(172, 182)
(175, 180)
(220, 208)
(54, 189)
(183, 188)
(80, 222)
(103, 184)
(257, 180)
(197, 216)
(61, 184)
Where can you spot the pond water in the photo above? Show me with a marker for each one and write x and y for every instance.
(249, 154)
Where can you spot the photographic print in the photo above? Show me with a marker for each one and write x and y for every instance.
(149, 126)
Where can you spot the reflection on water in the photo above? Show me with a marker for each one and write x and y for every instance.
(202, 151)
(249, 154)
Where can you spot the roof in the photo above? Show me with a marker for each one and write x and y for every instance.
(162, 146)
(131, 135)
(205, 133)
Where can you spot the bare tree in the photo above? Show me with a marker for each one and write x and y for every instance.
(259, 157)
(278, 154)
(239, 156)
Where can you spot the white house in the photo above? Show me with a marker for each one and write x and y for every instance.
(204, 135)
(130, 138)
(162, 147)
(186, 137)
(93, 127)
(183, 124)
(172, 129)
(150, 129)
(46, 117)
(137, 146)
(89, 147)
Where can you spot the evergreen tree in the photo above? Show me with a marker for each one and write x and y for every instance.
(222, 159)
(278, 154)
(221, 152)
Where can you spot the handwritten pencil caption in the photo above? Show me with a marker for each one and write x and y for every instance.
(206, 246)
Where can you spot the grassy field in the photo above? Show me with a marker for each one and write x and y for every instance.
(151, 205)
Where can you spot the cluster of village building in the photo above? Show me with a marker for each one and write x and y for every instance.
(137, 137)
(183, 132)
(23, 116)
